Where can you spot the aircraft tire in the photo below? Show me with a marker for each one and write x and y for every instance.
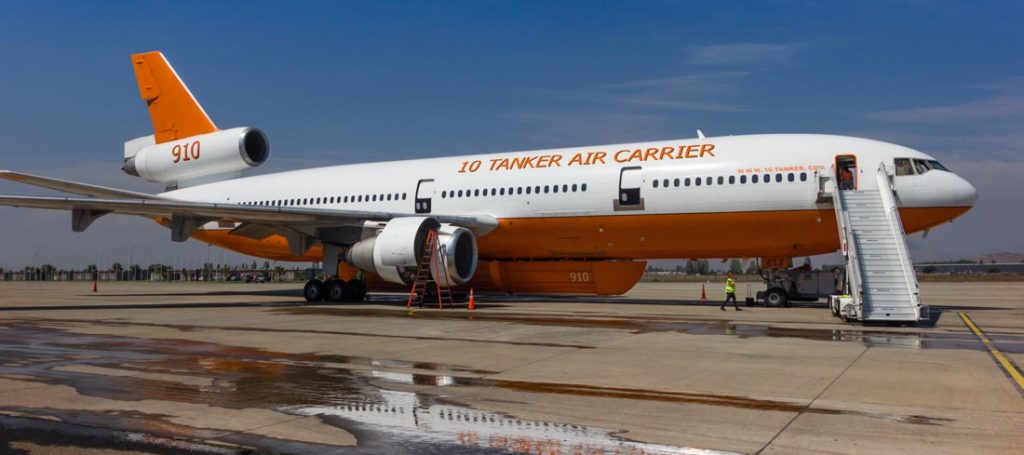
(313, 291)
(336, 291)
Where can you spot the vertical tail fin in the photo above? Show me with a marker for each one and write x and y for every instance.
(175, 112)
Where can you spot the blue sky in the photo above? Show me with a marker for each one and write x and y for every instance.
(340, 82)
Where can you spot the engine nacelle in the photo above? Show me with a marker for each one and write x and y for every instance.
(397, 248)
(459, 252)
(211, 154)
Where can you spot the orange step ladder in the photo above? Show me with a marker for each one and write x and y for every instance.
(431, 259)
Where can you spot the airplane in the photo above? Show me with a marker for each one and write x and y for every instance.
(578, 220)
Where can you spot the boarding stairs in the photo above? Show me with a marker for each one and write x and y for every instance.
(431, 264)
(882, 283)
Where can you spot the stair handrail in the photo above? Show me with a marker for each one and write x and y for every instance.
(892, 214)
(846, 241)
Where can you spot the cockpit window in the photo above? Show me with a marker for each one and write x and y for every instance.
(903, 167)
(921, 166)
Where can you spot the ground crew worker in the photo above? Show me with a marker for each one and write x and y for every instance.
(847, 179)
(730, 293)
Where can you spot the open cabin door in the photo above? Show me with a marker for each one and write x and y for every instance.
(631, 180)
(846, 172)
(424, 195)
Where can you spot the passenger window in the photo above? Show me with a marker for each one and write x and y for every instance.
(675, 183)
(686, 181)
(903, 166)
(696, 181)
(803, 176)
(546, 188)
(655, 183)
(536, 189)
(743, 179)
(528, 190)
(721, 180)
(708, 181)
(753, 178)
(444, 194)
(403, 196)
(554, 189)
(565, 188)
(519, 190)
(494, 192)
(791, 177)
(389, 196)
(502, 192)
(583, 187)
(664, 183)
(574, 187)
(732, 179)
(767, 178)
(476, 192)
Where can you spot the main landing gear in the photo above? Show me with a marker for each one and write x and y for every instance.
(334, 290)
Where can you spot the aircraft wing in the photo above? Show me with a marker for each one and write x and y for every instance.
(68, 186)
(300, 225)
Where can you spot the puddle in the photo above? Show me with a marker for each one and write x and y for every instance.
(366, 397)
(871, 338)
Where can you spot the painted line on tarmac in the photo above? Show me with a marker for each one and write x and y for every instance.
(1006, 363)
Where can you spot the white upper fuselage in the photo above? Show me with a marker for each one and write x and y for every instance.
(392, 186)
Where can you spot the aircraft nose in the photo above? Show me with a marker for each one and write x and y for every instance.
(960, 192)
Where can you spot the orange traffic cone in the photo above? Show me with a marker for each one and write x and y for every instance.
(93, 285)
(472, 303)
(703, 295)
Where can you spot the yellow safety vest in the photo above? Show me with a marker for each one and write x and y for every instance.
(730, 285)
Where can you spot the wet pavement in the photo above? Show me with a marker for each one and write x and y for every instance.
(153, 371)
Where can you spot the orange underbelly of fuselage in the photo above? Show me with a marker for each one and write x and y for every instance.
(674, 236)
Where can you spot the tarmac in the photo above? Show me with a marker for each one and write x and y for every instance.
(238, 368)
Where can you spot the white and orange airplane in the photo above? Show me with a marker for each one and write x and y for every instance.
(578, 220)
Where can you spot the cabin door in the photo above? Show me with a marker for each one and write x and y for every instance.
(424, 195)
(631, 181)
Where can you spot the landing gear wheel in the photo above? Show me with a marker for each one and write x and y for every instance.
(775, 297)
(336, 291)
(313, 291)
(358, 290)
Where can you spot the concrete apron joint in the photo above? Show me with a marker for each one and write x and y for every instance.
(816, 397)
(1011, 370)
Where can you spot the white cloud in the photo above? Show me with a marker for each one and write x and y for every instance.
(742, 54)
(1000, 106)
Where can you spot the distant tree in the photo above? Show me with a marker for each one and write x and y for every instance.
(253, 265)
(134, 271)
(679, 268)
(735, 266)
(994, 270)
(266, 265)
(754, 268)
(929, 269)
(93, 271)
(703, 266)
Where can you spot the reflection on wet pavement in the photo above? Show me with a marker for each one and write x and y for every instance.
(366, 397)
(1011, 343)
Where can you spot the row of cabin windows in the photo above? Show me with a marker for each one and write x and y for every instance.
(329, 200)
(514, 190)
(732, 180)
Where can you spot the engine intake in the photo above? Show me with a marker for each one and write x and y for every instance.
(205, 155)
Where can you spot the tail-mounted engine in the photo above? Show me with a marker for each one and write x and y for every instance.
(201, 157)
(394, 251)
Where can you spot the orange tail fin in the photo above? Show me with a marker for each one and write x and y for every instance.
(175, 112)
